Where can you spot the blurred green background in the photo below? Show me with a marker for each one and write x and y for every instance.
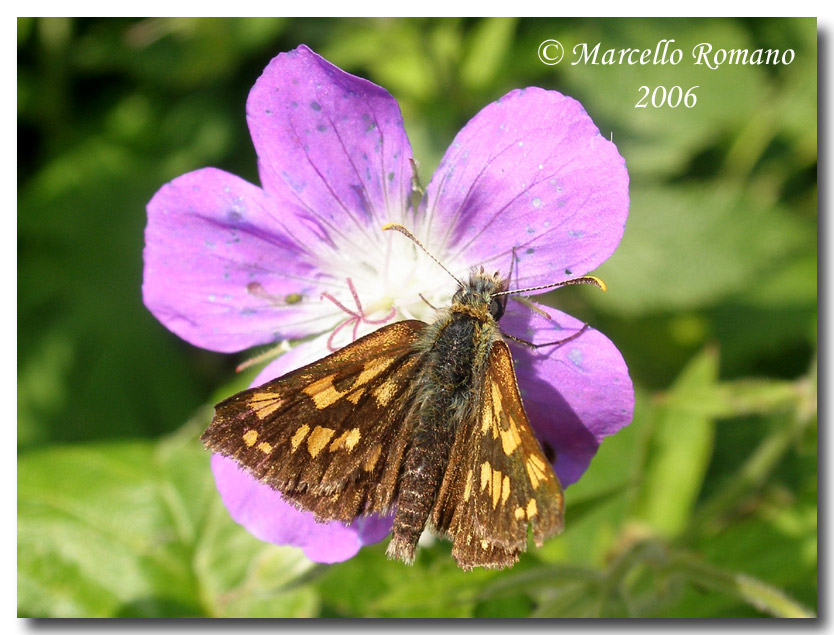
(704, 507)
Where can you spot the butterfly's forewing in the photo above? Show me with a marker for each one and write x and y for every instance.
(499, 482)
(331, 435)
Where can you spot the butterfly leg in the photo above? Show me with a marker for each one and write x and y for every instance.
(565, 340)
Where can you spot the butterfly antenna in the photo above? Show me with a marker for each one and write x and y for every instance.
(583, 280)
(413, 238)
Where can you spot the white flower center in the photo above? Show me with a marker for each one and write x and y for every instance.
(378, 277)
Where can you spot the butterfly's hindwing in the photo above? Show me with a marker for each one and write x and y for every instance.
(331, 435)
(499, 482)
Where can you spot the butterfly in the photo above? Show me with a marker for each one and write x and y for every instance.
(425, 420)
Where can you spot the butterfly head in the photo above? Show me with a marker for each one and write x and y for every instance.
(479, 294)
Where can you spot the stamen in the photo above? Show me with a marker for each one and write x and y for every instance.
(356, 318)
(326, 294)
(355, 295)
(390, 315)
(330, 339)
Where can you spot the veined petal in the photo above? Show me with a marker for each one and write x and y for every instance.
(267, 516)
(333, 143)
(219, 270)
(531, 172)
(575, 394)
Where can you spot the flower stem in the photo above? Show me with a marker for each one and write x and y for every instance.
(764, 597)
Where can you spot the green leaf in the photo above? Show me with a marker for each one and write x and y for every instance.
(720, 246)
(137, 529)
(407, 68)
(488, 47)
(573, 600)
(736, 398)
(661, 140)
(762, 596)
(370, 585)
(685, 247)
(679, 451)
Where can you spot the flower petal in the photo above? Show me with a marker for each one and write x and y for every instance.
(575, 394)
(267, 516)
(299, 355)
(331, 144)
(219, 270)
(530, 172)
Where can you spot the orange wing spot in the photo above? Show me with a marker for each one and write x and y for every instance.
(370, 463)
(532, 508)
(373, 368)
(352, 439)
(265, 447)
(355, 396)
(520, 513)
(319, 438)
(467, 491)
(497, 404)
(510, 439)
(264, 404)
(496, 487)
(338, 442)
(250, 437)
(384, 393)
(535, 470)
(348, 440)
(299, 436)
(486, 474)
(505, 489)
(537, 460)
(323, 393)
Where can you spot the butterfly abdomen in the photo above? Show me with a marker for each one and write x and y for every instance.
(442, 400)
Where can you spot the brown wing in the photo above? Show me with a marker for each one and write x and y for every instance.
(331, 435)
(499, 482)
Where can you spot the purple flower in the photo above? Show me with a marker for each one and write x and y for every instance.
(229, 265)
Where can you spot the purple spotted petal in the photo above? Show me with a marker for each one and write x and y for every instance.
(531, 171)
(575, 394)
(266, 515)
(332, 141)
(219, 270)
(269, 517)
